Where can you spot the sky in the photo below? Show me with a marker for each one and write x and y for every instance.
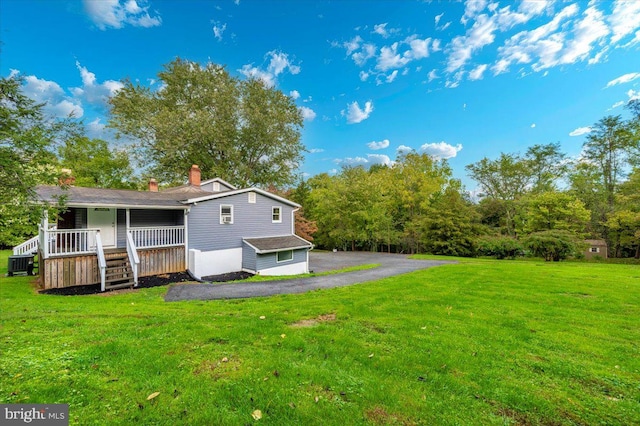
(458, 80)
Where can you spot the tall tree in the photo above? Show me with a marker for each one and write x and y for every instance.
(27, 145)
(240, 130)
(95, 164)
(547, 165)
(608, 146)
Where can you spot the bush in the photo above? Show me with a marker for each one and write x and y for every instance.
(500, 247)
(553, 245)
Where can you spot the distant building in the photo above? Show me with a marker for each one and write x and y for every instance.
(596, 248)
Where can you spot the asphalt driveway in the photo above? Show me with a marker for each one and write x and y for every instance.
(390, 265)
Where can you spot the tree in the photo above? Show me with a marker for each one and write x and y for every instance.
(94, 164)
(553, 245)
(505, 179)
(554, 210)
(27, 142)
(608, 146)
(547, 165)
(240, 130)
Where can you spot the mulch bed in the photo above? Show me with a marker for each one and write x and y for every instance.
(146, 282)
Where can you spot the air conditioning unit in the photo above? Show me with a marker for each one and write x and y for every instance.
(226, 219)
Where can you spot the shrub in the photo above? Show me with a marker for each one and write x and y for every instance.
(553, 245)
(500, 247)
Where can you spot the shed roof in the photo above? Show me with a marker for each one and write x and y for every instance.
(596, 242)
(273, 244)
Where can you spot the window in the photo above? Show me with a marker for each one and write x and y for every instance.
(276, 215)
(285, 256)
(216, 186)
(595, 250)
(226, 214)
(252, 197)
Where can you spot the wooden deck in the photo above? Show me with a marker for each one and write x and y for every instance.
(56, 272)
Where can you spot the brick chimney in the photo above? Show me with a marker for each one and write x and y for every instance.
(194, 175)
(153, 185)
(66, 178)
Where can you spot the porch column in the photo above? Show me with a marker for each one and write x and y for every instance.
(44, 225)
(127, 216)
(186, 239)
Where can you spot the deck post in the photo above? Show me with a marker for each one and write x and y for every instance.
(186, 239)
(45, 234)
(102, 262)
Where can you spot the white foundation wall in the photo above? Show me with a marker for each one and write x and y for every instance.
(205, 263)
(290, 269)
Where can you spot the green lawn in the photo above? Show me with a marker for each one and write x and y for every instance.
(480, 342)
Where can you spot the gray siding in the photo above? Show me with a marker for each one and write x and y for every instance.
(209, 187)
(270, 260)
(249, 221)
(248, 257)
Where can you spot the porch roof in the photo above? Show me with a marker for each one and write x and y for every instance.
(75, 196)
(274, 244)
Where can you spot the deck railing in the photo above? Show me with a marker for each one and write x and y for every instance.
(28, 247)
(157, 236)
(60, 242)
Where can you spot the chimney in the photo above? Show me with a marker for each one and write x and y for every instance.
(66, 178)
(194, 175)
(153, 185)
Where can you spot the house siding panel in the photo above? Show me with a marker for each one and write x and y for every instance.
(249, 221)
(121, 220)
(270, 260)
(248, 257)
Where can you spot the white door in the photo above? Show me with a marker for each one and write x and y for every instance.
(105, 220)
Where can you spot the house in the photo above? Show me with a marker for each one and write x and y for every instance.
(596, 248)
(113, 236)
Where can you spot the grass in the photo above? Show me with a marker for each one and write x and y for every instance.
(481, 342)
(261, 278)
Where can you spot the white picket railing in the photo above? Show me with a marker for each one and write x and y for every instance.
(102, 261)
(60, 242)
(157, 236)
(134, 260)
(28, 247)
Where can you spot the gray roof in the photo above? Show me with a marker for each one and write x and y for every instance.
(76, 196)
(273, 244)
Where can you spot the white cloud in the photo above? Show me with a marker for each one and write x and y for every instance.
(353, 44)
(307, 113)
(624, 79)
(535, 7)
(392, 76)
(462, 47)
(57, 104)
(389, 58)
(294, 94)
(472, 8)
(367, 161)
(624, 19)
(218, 30)
(378, 145)
(278, 63)
(355, 114)
(364, 76)
(316, 150)
(433, 74)
(580, 131)
(477, 72)
(419, 47)
(617, 104)
(367, 52)
(117, 13)
(586, 32)
(403, 149)
(92, 91)
(445, 26)
(381, 30)
(634, 95)
(533, 125)
(438, 18)
(441, 150)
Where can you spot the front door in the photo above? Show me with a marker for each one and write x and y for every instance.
(103, 219)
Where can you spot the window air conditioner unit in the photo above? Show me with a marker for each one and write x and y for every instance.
(226, 219)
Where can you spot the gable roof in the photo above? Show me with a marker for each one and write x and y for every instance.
(77, 196)
(274, 244)
(212, 196)
(222, 181)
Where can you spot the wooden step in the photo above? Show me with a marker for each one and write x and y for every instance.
(118, 286)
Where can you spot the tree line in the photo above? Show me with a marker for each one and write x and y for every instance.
(539, 202)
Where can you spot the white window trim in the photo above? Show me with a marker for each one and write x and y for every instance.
(216, 186)
(284, 261)
(595, 250)
(279, 214)
(252, 197)
(222, 217)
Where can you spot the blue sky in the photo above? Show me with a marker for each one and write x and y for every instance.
(458, 80)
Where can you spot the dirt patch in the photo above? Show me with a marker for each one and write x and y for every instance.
(379, 416)
(143, 282)
(218, 369)
(313, 321)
